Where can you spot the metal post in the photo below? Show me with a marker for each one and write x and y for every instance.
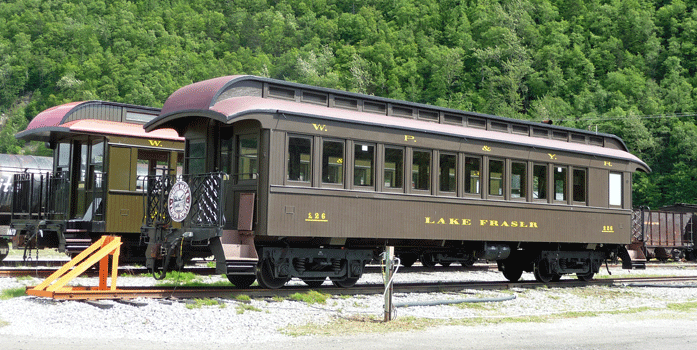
(387, 278)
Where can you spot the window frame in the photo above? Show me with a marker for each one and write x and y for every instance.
(503, 179)
(454, 191)
(371, 187)
(384, 168)
(565, 177)
(523, 181)
(585, 186)
(305, 182)
(544, 187)
(618, 182)
(324, 184)
(479, 190)
(429, 181)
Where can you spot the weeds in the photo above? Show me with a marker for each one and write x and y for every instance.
(311, 297)
(12, 293)
(199, 303)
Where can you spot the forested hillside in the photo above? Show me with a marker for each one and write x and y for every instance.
(621, 66)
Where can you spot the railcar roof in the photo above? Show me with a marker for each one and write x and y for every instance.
(213, 98)
(93, 117)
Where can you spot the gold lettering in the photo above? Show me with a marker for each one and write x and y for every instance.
(483, 222)
(428, 220)
(454, 222)
(409, 138)
(319, 127)
(533, 224)
(522, 224)
(552, 156)
(486, 149)
(607, 163)
(155, 143)
(441, 221)
(466, 222)
(514, 223)
(493, 222)
(504, 224)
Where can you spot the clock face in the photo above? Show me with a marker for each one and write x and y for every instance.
(179, 201)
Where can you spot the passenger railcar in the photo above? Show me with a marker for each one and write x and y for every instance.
(287, 180)
(100, 149)
(11, 164)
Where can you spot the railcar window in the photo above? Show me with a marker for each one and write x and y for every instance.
(421, 170)
(63, 155)
(247, 164)
(615, 189)
(150, 163)
(560, 183)
(83, 162)
(518, 180)
(195, 157)
(579, 185)
(333, 162)
(394, 167)
(473, 168)
(97, 164)
(226, 152)
(495, 177)
(364, 164)
(299, 159)
(539, 181)
(448, 173)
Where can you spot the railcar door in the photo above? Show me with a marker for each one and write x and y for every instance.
(239, 150)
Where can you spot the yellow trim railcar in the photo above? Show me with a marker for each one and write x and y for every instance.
(307, 182)
(100, 149)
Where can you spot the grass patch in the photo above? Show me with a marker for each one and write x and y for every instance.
(12, 293)
(360, 325)
(242, 308)
(188, 279)
(199, 303)
(683, 307)
(243, 298)
(375, 324)
(311, 297)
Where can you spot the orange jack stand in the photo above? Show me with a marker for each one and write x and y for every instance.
(97, 252)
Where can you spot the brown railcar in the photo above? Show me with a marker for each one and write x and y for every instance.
(666, 234)
(100, 149)
(289, 180)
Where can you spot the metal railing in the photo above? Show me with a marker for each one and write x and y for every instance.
(42, 196)
(207, 202)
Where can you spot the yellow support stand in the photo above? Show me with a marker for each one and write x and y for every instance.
(97, 252)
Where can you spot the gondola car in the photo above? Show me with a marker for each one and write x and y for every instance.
(11, 164)
(284, 180)
(100, 149)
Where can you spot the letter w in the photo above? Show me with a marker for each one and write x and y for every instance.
(155, 143)
(319, 127)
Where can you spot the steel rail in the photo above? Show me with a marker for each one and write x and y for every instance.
(185, 292)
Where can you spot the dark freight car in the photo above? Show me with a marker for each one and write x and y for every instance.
(285, 180)
(666, 234)
(100, 150)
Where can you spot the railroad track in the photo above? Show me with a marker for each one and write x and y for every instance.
(185, 292)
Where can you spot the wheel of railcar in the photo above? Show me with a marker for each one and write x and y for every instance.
(585, 276)
(541, 274)
(511, 272)
(469, 262)
(445, 264)
(313, 283)
(408, 259)
(4, 249)
(265, 276)
(427, 260)
(242, 281)
(345, 283)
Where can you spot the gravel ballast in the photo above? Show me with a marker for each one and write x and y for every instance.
(34, 323)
